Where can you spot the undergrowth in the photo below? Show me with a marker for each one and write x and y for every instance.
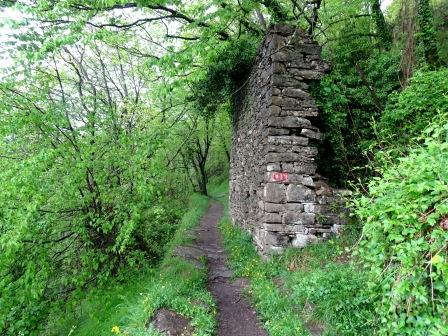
(405, 216)
(327, 284)
(126, 307)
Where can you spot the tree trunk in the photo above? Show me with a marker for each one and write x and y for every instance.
(314, 17)
(427, 34)
(365, 81)
(203, 179)
(407, 29)
(383, 29)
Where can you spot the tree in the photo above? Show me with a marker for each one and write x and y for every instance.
(427, 33)
(197, 149)
(80, 149)
(384, 33)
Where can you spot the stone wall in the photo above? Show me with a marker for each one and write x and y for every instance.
(275, 192)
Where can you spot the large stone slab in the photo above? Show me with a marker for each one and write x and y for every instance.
(299, 193)
(298, 218)
(288, 122)
(274, 193)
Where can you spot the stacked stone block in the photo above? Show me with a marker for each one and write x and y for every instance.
(275, 191)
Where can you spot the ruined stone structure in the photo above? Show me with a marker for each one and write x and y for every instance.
(275, 191)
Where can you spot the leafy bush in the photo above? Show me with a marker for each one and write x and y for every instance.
(409, 112)
(127, 304)
(157, 228)
(336, 292)
(328, 285)
(406, 232)
(227, 70)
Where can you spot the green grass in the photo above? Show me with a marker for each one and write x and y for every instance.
(176, 284)
(328, 285)
(219, 191)
(319, 285)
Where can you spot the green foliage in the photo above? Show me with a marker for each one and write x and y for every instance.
(427, 33)
(348, 109)
(329, 284)
(84, 192)
(365, 79)
(219, 161)
(131, 302)
(409, 112)
(336, 293)
(219, 188)
(116, 303)
(365, 70)
(383, 30)
(158, 227)
(405, 244)
(226, 72)
(440, 12)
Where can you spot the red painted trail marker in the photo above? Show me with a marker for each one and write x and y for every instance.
(279, 177)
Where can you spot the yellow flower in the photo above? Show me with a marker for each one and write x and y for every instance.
(116, 329)
(437, 259)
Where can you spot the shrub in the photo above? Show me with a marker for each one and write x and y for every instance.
(406, 233)
(409, 112)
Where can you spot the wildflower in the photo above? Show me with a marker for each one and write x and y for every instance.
(437, 259)
(116, 329)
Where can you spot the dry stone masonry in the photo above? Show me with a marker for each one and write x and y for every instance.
(275, 192)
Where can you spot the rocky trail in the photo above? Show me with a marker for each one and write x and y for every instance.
(235, 316)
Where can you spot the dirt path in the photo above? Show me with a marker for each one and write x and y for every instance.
(235, 315)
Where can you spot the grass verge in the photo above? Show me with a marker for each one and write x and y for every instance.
(327, 285)
(126, 307)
